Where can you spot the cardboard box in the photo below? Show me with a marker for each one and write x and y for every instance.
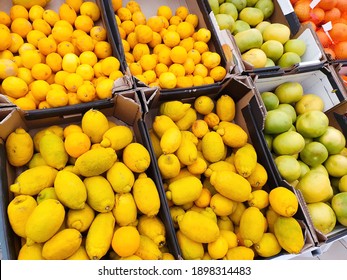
(149, 8)
(323, 83)
(241, 90)
(314, 57)
(123, 110)
(124, 83)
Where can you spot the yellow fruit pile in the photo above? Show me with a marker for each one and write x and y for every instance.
(168, 49)
(217, 190)
(84, 193)
(54, 58)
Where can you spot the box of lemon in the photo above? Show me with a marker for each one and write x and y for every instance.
(304, 130)
(83, 186)
(267, 39)
(58, 54)
(171, 45)
(223, 198)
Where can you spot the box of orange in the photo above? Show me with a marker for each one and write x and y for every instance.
(60, 55)
(170, 37)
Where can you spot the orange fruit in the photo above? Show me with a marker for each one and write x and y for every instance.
(42, 25)
(41, 71)
(178, 54)
(171, 39)
(21, 26)
(302, 10)
(126, 241)
(68, 13)
(177, 69)
(34, 36)
(102, 49)
(185, 30)
(156, 40)
(317, 15)
(98, 33)
(340, 50)
(128, 26)
(88, 57)
(217, 73)
(323, 38)
(204, 198)
(90, 9)
(167, 80)
(47, 45)
(327, 4)
(144, 34)
(338, 33)
(50, 16)
(16, 42)
(182, 12)
(124, 14)
(313, 25)
(193, 19)
(84, 22)
(57, 98)
(72, 82)
(155, 23)
(5, 19)
(84, 43)
(140, 50)
(332, 15)
(138, 18)
(86, 92)
(175, 20)
(77, 143)
(85, 71)
(18, 11)
(109, 64)
(65, 47)
(25, 103)
(30, 58)
(39, 89)
(342, 5)
(147, 62)
(164, 11)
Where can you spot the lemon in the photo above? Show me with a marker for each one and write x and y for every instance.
(200, 128)
(32, 181)
(14, 87)
(199, 166)
(7, 68)
(94, 123)
(154, 228)
(70, 62)
(80, 219)
(53, 151)
(120, 177)
(161, 123)
(62, 245)
(70, 189)
(171, 140)
(167, 80)
(146, 195)
(18, 211)
(169, 165)
(230, 237)
(104, 88)
(19, 147)
(219, 166)
(240, 253)
(117, 137)
(80, 254)
(259, 199)
(191, 250)
(36, 160)
(44, 221)
(258, 177)
(32, 252)
(125, 210)
(100, 195)
(136, 157)
(95, 161)
(203, 104)
(148, 250)
(218, 248)
(252, 226)
(46, 193)
(221, 205)
(126, 241)
(212, 146)
(283, 201)
(99, 235)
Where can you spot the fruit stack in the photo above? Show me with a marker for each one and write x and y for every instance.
(223, 202)
(308, 151)
(168, 46)
(55, 54)
(265, 38)
(84, 190)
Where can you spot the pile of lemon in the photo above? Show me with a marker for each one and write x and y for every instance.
(167, 49)
(220, 203)
(84, 193)
(54, 58)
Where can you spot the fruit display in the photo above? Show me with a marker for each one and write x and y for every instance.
(220, 201)
(329, 19)
(262, 43)
(55, 55)
(309, 153)
(166, 47)
(84, 192)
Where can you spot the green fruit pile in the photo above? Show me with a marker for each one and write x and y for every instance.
(261, 42)
(309, 153)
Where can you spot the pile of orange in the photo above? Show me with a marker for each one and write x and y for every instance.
(333, 41)
(52, 58)
(168, 49)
